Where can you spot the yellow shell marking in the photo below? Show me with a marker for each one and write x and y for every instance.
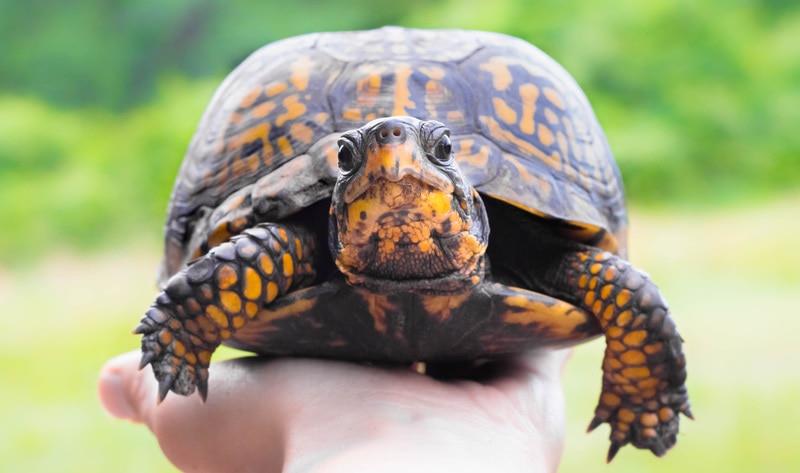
(529, 93)
(455, 116)
(301, 132)
(300, 71)
(504, 111)
(352, 114)
(441, 307)
(402, 94)
(377, 305)
(294, 108)
(248, 99)
(497, 131)
(560, 317)
(464, 152)
(545, 135)
(501, 75)
(554, 97)
(258, 132)
(263, 109)
(295, 308)
(274, 88)
(285, 146)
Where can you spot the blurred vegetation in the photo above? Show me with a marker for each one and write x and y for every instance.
(83, 178)
(99, 99)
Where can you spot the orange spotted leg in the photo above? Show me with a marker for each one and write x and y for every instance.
(644, 368)
(216, 295)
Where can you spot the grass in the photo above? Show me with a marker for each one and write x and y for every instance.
(731, 276)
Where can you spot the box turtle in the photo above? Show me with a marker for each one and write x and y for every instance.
(337, 200)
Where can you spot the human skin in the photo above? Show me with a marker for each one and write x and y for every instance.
(301, 415)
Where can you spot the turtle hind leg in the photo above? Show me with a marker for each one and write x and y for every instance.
(207, 302)
(644, 368)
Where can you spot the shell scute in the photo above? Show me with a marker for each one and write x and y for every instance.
(388, 87)
(557, 159)
(257, 124)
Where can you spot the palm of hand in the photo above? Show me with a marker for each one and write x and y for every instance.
(327, 416)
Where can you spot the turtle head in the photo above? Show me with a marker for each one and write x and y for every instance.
(402, 214)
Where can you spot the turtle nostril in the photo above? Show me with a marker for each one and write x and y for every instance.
(391, 132)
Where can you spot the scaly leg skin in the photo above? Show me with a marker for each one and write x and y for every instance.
(644, 368)
(208, 301)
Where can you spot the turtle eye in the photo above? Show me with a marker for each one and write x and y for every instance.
(347, 158)
(443, 151)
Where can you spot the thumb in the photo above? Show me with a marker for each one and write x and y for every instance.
(125, 391)
(234, 431)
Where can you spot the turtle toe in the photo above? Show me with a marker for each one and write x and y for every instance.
(652, 425)
(178, 363)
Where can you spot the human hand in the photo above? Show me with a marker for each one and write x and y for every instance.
(327, 417)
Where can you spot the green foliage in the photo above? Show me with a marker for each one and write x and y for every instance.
(113, 54)
(98, 99)
(81, 178)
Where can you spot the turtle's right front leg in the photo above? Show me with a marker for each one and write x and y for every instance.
(216, 295)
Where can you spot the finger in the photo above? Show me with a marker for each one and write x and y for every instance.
(125, 391)
(236, 429)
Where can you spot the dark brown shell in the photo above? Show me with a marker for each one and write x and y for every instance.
(523, 131)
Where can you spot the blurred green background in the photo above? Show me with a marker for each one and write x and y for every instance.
(700, 101)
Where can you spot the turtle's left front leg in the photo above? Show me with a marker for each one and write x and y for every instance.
(644, 368)
(210, 300)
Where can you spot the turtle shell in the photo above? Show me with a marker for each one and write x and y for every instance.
(522, 130)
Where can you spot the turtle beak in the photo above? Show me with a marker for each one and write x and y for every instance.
(394, 153)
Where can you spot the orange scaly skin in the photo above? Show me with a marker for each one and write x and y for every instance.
(644, 368)
(215, 296)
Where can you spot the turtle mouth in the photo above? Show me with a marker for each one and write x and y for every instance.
(406, 231)
(431, 258)
(440, 262)
(410, 251)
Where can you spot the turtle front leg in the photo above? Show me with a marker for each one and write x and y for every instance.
(216, 295)
(644, 368)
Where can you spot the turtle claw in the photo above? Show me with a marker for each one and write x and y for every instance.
(164, 385)
(179, 362)
(202, 388)
(596, 421)
(649, 425)
(147, 358)
(687, 411)
(658, 448)
(144, 328)
(612, 451)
